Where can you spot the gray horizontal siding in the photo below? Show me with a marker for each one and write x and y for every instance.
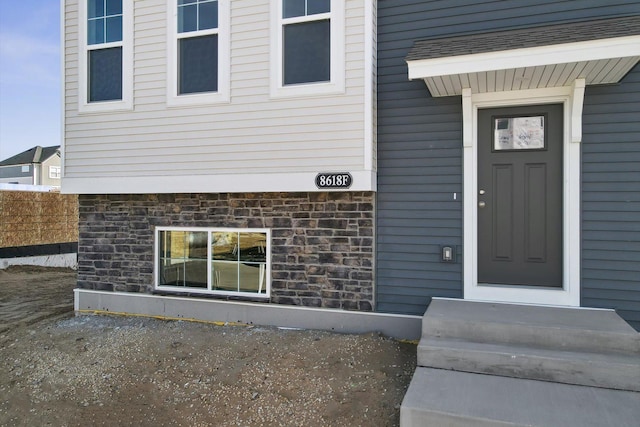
(14, 172)
(420, 155)
(611, 198)
(419, 169)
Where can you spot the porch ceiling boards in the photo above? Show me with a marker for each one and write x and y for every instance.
(601, 52)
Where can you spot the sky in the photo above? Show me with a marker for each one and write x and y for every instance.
(30, 82)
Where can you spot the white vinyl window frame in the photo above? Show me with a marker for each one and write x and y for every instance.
(264, 271)
(336, 85)
(126, 103)
(54, 172)
(222, 95)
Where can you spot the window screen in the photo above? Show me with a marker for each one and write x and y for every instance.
(105, 74)
(198, 64)
(307, 52)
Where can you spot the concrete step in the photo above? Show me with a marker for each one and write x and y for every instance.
(612, 370)
(569, 329)
(459, 399)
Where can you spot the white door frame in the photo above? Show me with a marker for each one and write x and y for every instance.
(571, 97)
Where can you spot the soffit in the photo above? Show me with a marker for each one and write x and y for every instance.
(601, 52)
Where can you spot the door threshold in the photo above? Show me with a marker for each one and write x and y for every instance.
(529, 287)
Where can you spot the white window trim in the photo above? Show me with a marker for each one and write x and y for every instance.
(126, 103)
(569, 294)
(209, 230)
(337, 83)
(224, 62)
(58, 173)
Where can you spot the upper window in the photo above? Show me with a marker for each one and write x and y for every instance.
(306, 41)
(308, 50)
(199, 51)
(105, 65)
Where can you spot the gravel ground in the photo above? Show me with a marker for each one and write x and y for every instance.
(61, 370)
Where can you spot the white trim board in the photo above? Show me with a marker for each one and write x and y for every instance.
(571, 98)
(620, 47)
(229, 183)
(601, 61)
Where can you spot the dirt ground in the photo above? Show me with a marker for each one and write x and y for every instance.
(61, 370)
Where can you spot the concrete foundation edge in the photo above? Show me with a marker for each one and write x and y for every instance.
(397, 326)
(60, 260)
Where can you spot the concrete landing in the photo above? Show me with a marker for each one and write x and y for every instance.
(438, 397)
(490, 364)
(558, 328)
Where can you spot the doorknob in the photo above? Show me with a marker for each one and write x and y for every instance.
(481, 204)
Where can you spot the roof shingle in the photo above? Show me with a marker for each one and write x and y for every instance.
(524, 38)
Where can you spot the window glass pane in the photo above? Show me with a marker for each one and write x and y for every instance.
(95, 31)
(198, 64)
(105, 74)
(197, 244)
(252, 258)
(519, 133)
(307, 52)
(114, 7)
(183, 272)
(181, 2)
(187, 18)
(224, 245)
(224, 275)
(183, 259)
(114, 29)
(291, 8)
(195, 273)
(95, 8)
(251, 278)
(208, 15)
(318, 6)
(224, 250)
(253, 247)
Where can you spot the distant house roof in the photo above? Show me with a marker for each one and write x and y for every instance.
(36, 154)
(525, 38)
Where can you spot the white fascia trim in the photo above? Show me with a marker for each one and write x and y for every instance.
(338, 56)
(126, 103)
(569, 295)
(224, 59)
(620, 47)
(369, 76)
(229, 183)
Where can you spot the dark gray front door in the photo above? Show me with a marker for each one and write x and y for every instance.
(520, 196)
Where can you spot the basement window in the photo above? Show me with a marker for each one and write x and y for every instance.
(217, 261)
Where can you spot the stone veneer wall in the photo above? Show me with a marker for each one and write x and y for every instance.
(322, 243)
